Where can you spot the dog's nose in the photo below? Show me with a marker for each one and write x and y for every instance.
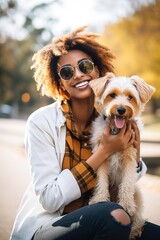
(121, 110)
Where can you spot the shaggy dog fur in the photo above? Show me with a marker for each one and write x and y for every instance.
(118, 100)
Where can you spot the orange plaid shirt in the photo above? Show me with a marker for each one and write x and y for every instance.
(77, 151)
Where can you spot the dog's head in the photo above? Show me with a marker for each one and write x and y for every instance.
(121, 98)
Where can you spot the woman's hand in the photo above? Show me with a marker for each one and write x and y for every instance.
(137, 140)
(109, 144)
(124, 139)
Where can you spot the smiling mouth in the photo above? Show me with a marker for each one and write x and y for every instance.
(81, 84)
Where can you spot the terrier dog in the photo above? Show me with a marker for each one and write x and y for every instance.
(118, 100)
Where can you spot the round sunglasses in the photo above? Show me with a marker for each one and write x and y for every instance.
(67, 71)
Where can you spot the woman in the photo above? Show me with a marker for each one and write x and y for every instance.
(63, 169)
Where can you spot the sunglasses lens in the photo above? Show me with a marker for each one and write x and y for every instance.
(86, 66)
(67, 72)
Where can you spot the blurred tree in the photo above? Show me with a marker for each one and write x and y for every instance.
(16, 78)
(7, 6)
(135, 43)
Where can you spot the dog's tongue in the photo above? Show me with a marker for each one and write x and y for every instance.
(119, 121)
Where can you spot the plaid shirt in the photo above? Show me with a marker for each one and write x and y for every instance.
(77, 151)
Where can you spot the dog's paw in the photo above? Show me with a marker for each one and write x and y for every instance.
(135, 233)
(137, 227)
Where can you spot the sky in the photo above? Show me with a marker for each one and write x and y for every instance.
(71, 14)
(75, 13)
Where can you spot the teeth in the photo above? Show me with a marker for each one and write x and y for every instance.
(81, 84)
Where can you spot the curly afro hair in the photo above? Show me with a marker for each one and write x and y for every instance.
(45, 60)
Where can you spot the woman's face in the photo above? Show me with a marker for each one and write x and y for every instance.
(77, 86)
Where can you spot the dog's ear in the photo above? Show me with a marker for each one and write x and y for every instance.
(144, 89)
(98, 85)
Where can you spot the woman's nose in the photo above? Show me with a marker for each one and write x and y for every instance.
(77, 73)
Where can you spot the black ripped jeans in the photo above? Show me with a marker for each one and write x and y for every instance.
(93, 222)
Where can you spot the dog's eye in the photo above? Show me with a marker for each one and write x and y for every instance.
(129, 97)
(112, 95)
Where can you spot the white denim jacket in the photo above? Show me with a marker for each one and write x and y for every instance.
(51, 188)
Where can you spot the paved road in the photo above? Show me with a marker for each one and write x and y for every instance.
(15, 177)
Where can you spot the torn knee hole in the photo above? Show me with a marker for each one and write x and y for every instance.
(121, 216)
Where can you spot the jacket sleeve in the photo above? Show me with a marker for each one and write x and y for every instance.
(53, 187)
(85, 176)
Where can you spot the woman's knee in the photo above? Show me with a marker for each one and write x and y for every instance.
(106, 216)
(121, 216)
(110, 209)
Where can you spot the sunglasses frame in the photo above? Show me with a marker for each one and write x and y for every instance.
(73, 68)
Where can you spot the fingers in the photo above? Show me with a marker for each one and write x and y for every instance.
(107, 132)
(137, 135)
(128, 135)
(123, 130)
(136, 130)
(136, 143)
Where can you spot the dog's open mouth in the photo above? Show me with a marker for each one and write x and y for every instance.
(119, 121)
